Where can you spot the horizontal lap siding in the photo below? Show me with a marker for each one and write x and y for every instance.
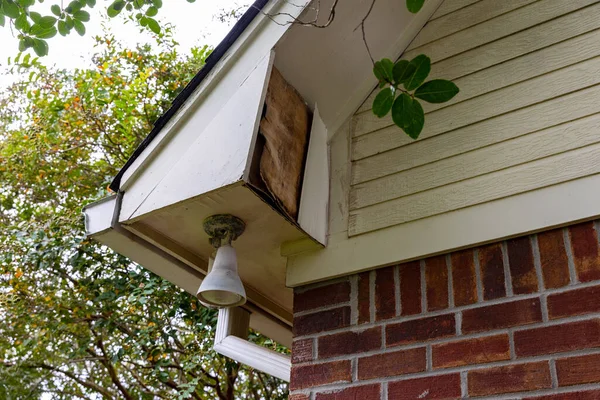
(527, 116)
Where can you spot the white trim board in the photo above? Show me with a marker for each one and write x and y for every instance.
(538, 210)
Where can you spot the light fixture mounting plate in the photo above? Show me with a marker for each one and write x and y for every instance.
(223, 228)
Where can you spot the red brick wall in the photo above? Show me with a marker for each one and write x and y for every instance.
(513, 320)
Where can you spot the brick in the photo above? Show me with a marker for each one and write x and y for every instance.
(584, 242)
(464, 279)
(509, 379)
(419, 330)
(309, 376)
(347, 343)
(578, 370)
(364, 298)
(553, 259)
(492, 271)
(322, 296)
(366, 392)
(299, 396)
(302, 351)
(522, 270)
(321, 321)
(430, 388)
(392, 364)
(471, 351)
(558, 338)
(385, 295)
(574, 302)
(410, 288)
(587, 395)
(436, 277)
(503, 315)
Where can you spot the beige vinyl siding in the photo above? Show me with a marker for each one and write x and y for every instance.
(527, 116)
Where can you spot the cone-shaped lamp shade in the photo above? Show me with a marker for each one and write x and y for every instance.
(223, 287)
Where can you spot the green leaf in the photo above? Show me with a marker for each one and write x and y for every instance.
(414, 6)
(153, 25)
(437, 91)
(35, 16)
(115, 8)
(79, 27)
(90, 3)
(11, 9)
(403, 69)
(138, 4)
(47, 22)
(151, 11)
(56, 10)
(383, 102)
(47, 33)
(22, 23)
(157, 3)
(408, 115)
(62, 28)
(40, 47)
(82, 16)
(383, 70)
(422, 67)
(2, 20)
(73, 7)
(22, 45)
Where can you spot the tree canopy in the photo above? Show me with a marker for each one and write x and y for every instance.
(78, 320)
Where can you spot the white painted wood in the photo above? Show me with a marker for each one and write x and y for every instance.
(529, 212)
(519, 44)
(554, 84)
(449, 6)
(528, 148)
(254, 44)
(464, 18)
(320, 63)
(241, 350)
(508, 182)
(312, 214)
(553, 112)
(504, 25)
(98, 215)
(219, 157)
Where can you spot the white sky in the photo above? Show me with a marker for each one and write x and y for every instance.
(194, 25)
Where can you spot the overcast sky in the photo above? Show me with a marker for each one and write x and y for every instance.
(195, 25)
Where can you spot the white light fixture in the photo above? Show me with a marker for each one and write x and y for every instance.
(222, 287)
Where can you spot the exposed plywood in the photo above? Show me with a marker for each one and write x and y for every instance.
(504, 25)
(464, 18)
(549, 113)
(519, 44)
(530, 92)
(528, 148)
(508, 182)
(285, 126)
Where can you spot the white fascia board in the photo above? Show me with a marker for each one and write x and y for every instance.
(257, 40)
(232, 325)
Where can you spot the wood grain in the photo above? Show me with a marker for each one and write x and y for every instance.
(508, 48)
(449, 6)
(552, 112)
(508, 182)
(524, 149)
(285, 128)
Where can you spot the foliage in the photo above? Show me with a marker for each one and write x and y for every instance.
(79, 321)
(398, 80)
(34, 28)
